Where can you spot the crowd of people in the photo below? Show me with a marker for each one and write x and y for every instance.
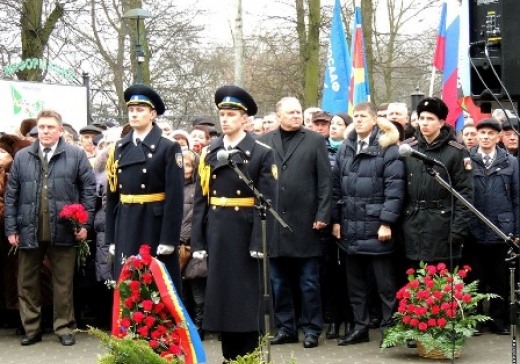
(358, 214)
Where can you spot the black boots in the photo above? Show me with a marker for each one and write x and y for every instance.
(199, 313)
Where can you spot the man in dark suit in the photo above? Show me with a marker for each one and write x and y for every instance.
(305, 191)
(226, 226)
(146, 186)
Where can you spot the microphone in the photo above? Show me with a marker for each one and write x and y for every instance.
(225, 155)
(405, 150)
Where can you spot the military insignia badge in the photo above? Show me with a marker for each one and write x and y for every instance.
(467, 164)
(178, 159)
(274, 171)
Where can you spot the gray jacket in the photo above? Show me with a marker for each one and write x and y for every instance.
(71, 180)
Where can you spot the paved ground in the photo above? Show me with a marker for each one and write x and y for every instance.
(488, 348)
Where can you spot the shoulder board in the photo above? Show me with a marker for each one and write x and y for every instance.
(457, 145)
(262, 144)
(410, 141)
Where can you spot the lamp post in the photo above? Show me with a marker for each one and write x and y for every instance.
(416, 97)
(138, 14)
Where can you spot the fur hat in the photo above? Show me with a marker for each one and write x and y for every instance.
(26, 126)
(12, 144)
(434, 105)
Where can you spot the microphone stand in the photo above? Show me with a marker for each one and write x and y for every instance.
(264, 206)
(513, 253)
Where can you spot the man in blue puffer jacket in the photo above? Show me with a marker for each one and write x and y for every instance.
(496, 180)
(368, 193)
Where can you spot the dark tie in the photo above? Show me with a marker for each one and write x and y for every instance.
(487, 161)
(229, 147)
(361, 146)
(46, 152)
(137, 141)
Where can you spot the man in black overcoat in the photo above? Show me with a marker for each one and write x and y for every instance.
(305, 193)
(226, 227)
(146, 186)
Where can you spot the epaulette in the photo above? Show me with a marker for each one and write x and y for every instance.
(410, 141)
(457, 145)
(262, 144)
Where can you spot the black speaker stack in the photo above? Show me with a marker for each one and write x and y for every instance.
(495, 27)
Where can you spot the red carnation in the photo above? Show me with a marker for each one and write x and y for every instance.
(438, 294)
(459, 286)
(147, 278)
(154, 344)
(406, 319)
(143, 331)
(462, 273)
(432, 322)
(138, 316)
(147, 260)
(435, 309)
(458, 295)
(441, 322)
(410, 271)
(149, 321)
(414, 322)
(126, 323)
(129, 302)
(466, 298)
(423, 326)
(158, 307)
(441, 266)
(147, 305)
(134, 285)
(467, 268)
(156, 334)
(144, 250)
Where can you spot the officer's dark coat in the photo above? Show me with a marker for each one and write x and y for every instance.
(305, 195)
(228, 234)
(427, 214)
(153, 166)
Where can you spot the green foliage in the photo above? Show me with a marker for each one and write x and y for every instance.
(128, 351)
(437, 309)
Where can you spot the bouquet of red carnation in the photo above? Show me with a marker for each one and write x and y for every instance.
(77, 215)
(143, 315)
(437, 309)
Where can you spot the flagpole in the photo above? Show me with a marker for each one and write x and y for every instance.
(432, 81)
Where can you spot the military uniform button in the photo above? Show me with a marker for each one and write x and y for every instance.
(120, 186)
(239, 192)
(236, 208)
(143, 186)
(214, 207)
(119, 170)
(214, 193)
(152, 146)
(144, 170)
(150, 155)
(284, 166)
(214, 176)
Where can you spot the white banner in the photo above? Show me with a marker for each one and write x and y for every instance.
(22, 100)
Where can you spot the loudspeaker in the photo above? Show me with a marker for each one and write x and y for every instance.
(495, 26)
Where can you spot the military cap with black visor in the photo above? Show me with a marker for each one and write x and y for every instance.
(140, 94)
(235, 98)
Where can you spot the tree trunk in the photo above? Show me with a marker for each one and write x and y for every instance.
(35, 35)
(309, 41)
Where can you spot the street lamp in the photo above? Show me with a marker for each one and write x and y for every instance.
(138, 14)
(416, 97)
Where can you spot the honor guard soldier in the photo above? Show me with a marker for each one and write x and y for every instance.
(227, 227)
(146, 180)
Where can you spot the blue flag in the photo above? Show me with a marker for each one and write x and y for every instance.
(337, 73)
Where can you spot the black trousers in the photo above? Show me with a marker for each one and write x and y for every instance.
(357, 285)
(238, 343)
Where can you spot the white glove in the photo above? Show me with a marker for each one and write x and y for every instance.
(112, 249)
(163, 249)
(199, 254)
(257, 255)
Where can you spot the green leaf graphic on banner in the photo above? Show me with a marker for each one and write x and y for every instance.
(17, 100)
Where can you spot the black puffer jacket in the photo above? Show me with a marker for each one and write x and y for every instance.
(427, 214)
(71, 180)
(368, 190)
